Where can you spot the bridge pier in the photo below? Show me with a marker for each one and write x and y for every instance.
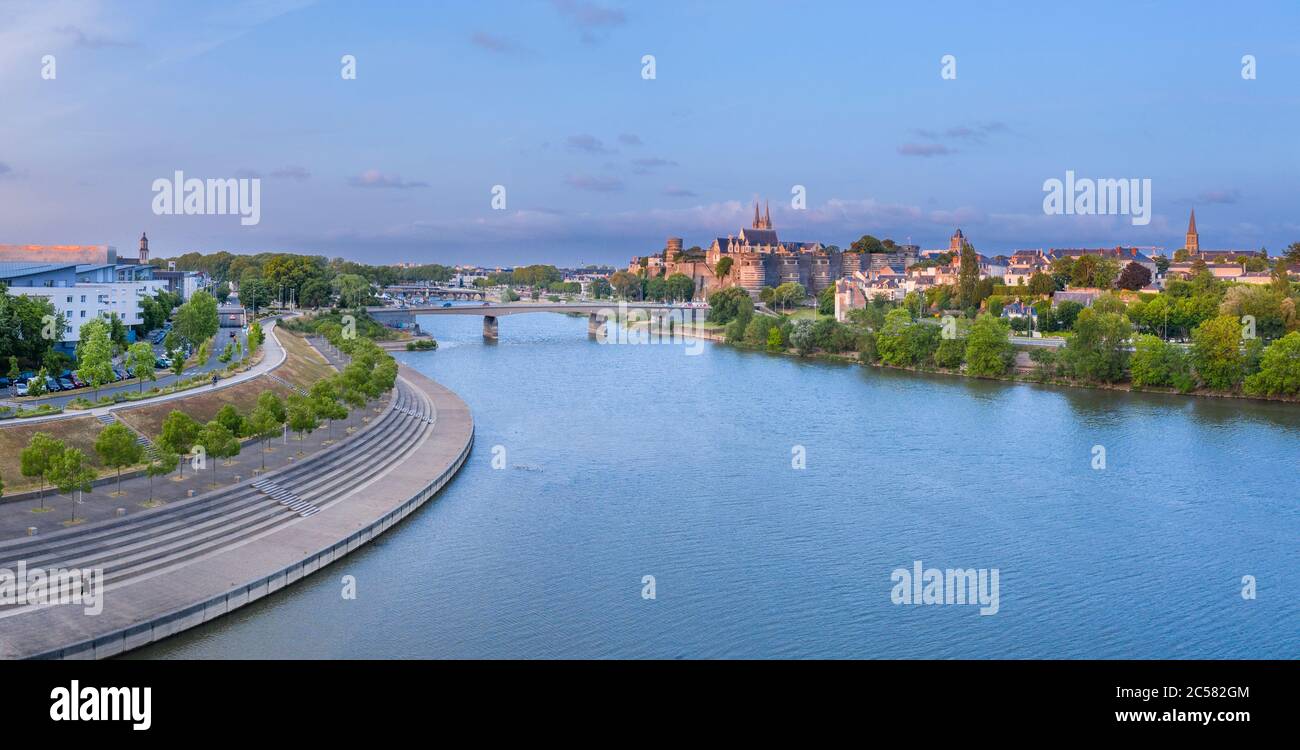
(490, 327)
(595, 325)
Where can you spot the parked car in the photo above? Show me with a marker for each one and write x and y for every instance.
(21, 388)
(162, 363)
(67, 384)
(120, 372)
(4, 382)
(446, 304)
(52, 385)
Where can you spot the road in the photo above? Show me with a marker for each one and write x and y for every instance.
(165, 377)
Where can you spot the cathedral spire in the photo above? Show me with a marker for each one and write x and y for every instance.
(757, 222)
(767, 215)
(1193, 241)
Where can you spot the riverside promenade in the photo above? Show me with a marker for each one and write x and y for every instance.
(175, 567)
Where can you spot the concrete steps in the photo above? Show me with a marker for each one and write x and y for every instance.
(141, 545)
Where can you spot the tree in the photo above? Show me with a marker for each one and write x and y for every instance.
(37, 458)
(217, 442)
(1157, 363)
(140, 361)
(774, 338)
(196, 320)
(624, 284)
(801, 336)
(1134, 276)
(221, 292)
(229, 417)
(1083, 271)
(726, 305)
(316, 293)
(722, 268)
(968, 276)
(1279, 369)
(301, 415)
(680, 287)
(14, 374)
(353, 290)
(180, 433)
(1041, 283)
(95, 355)
(324, 397)
(789, 293)
(263, 425)
(867, 244)
(69, 473)
(117, 447)
(37, 386)
(274, 406)
(891, 341)
(1097, 350)
(989, 352)
(1216, 352)
(160, 465)
(826, 301)
(255, 293)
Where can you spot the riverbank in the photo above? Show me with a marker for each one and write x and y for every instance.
(220, 551)
(852, 358)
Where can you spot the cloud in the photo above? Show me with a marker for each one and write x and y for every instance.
(643, 166)
(82, 39)
(5, 169)
(676, 192)
(498, 44)
(373, 178)
(595, 184)
(594, 21)
(587, 143)
(924, 149)
(977, 133)
(1219, 196)
(291, 173)
(629, 139)
(245, 173)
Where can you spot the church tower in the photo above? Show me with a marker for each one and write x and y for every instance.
(767, 215)
(758, 223)
(955, 244)
(144, 248)
(1193, 241)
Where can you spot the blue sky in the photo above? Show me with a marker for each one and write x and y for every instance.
(547, 99)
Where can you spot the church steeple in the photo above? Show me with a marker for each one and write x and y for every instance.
(1193, 241)
(767, 215)
(144, 248)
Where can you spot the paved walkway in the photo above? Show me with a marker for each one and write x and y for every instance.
(145, 608)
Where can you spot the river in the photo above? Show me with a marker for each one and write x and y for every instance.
(626, 461)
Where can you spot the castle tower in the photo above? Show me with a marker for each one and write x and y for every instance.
(144, 248)
(1193, 241)
(955, 244)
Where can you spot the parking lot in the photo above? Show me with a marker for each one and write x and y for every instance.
(162, 372)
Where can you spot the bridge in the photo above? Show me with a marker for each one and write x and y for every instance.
(435, 291)
(597, 312)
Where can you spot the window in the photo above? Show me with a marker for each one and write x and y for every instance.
(83, 313)
(83, 298)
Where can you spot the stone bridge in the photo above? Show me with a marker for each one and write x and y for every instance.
(597, 312)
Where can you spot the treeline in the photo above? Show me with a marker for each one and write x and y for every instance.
(1248, 340)
(310, 280)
